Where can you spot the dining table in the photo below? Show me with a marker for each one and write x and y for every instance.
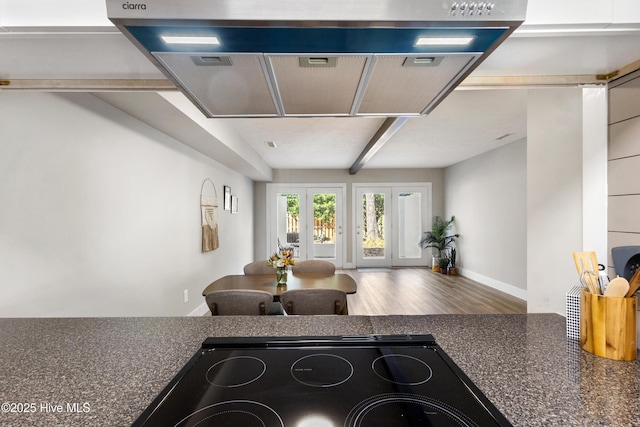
(268, 282)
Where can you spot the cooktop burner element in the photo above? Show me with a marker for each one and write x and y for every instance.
(235, 413)
(406, 409)
(322, 370)
(402, 369)
(236, 371)
(366, 381)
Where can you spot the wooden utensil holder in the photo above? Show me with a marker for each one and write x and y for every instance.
(608, 326)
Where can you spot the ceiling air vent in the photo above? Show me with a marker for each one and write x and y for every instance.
(212, 61)
(318, 61)
(422, 61)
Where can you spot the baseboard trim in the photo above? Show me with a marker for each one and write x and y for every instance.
(496, 284)
(201, 310)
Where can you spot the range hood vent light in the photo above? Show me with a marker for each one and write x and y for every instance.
(190, 40)
(422, 61)
(444, 41)
(212, 61)
(316, 61)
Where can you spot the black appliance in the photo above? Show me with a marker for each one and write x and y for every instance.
(370, 380)
(626, 260)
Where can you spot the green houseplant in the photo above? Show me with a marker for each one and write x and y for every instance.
(439, 238)
(443, 263)
(452, 263)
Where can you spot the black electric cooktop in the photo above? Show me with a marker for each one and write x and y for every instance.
(372, 380)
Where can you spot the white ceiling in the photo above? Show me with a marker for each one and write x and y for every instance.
(466, 124)
(576, 43)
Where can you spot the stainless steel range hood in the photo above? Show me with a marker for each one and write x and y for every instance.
(252, 58)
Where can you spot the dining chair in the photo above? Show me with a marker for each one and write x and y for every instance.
(314, 266)
(239, 302)
(259, 267)
(314, 301)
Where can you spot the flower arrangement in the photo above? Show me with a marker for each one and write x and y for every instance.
(281, 259)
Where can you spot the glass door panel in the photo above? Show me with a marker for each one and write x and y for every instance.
(372, 227)
(288, 222)
(373, 232)
(324, 225)
(326, 230)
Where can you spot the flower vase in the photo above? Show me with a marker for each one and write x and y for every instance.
(281, 276)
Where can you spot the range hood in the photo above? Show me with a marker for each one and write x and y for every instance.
(270, 58)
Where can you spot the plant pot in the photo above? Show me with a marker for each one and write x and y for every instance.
(434, 263)
(452, 271)
(443, 263)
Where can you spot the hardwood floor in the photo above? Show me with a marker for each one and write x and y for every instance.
(421, 291)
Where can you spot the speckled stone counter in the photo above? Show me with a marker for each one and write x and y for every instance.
(106, 371)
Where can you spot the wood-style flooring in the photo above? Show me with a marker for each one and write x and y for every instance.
(421, 291)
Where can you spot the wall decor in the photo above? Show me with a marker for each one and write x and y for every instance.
(227, 198)
(209, 215)
(234, 204)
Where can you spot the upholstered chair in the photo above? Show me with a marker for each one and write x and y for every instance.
(259, 267)
(239, 302)
(314, 266)
(314, 301)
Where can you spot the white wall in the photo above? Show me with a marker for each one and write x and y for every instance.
(99, 213)
(487, 195)
(624, 163)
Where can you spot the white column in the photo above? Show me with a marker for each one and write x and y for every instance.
(554, 196)
(594, 172)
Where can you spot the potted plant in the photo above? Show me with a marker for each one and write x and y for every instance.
(452, 262)
(439, 238)
(443, 263)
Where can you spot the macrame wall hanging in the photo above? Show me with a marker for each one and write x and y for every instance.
(209, 212)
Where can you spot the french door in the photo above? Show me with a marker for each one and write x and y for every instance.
(389, 223)
(373, 227)
(307, 220)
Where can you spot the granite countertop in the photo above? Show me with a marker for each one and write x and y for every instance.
(106, 371)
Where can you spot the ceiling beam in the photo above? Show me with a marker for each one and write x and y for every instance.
(502, 82)
(629, 68)
(390, 126)
(87, 85)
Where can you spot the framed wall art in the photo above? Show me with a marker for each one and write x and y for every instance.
(234, 204)
(227, 198)
(209, 214)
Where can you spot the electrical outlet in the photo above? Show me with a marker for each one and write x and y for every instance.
(186, 295)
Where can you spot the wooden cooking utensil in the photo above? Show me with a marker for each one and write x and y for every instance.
(587, 266)
(618, 287)
(634, 284)
(589, 261)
